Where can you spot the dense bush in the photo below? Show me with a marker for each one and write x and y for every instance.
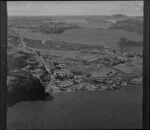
(133, 25)
(25, 87)
(47, 29)
(56, 27)
(16, 62)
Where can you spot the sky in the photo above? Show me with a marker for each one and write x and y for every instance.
(48, 8)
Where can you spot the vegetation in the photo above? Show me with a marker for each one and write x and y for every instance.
(56, 27)
(133, 25)
(24, 87)
(130, 46)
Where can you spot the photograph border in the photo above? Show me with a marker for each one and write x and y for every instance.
(3, 64)
(146, 50)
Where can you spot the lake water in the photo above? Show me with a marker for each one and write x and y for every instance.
(120, 108)
(86, 36)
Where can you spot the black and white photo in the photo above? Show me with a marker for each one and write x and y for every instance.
(74, 64)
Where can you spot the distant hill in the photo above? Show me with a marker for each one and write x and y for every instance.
(139, 18)
(132, 25)
(119, 16)
(130, 46)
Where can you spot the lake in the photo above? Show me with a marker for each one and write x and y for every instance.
(108, 37)
(120, 108)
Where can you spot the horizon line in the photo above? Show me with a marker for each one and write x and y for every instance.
(76, 15)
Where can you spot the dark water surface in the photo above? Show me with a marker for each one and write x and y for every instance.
(121, 108)
(108, 37)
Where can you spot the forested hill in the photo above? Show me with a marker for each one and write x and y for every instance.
(133, 25)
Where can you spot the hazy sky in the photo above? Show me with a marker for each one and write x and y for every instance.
(75, 7)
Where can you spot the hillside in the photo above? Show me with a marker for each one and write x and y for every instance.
(127, 45)
(131, 25)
